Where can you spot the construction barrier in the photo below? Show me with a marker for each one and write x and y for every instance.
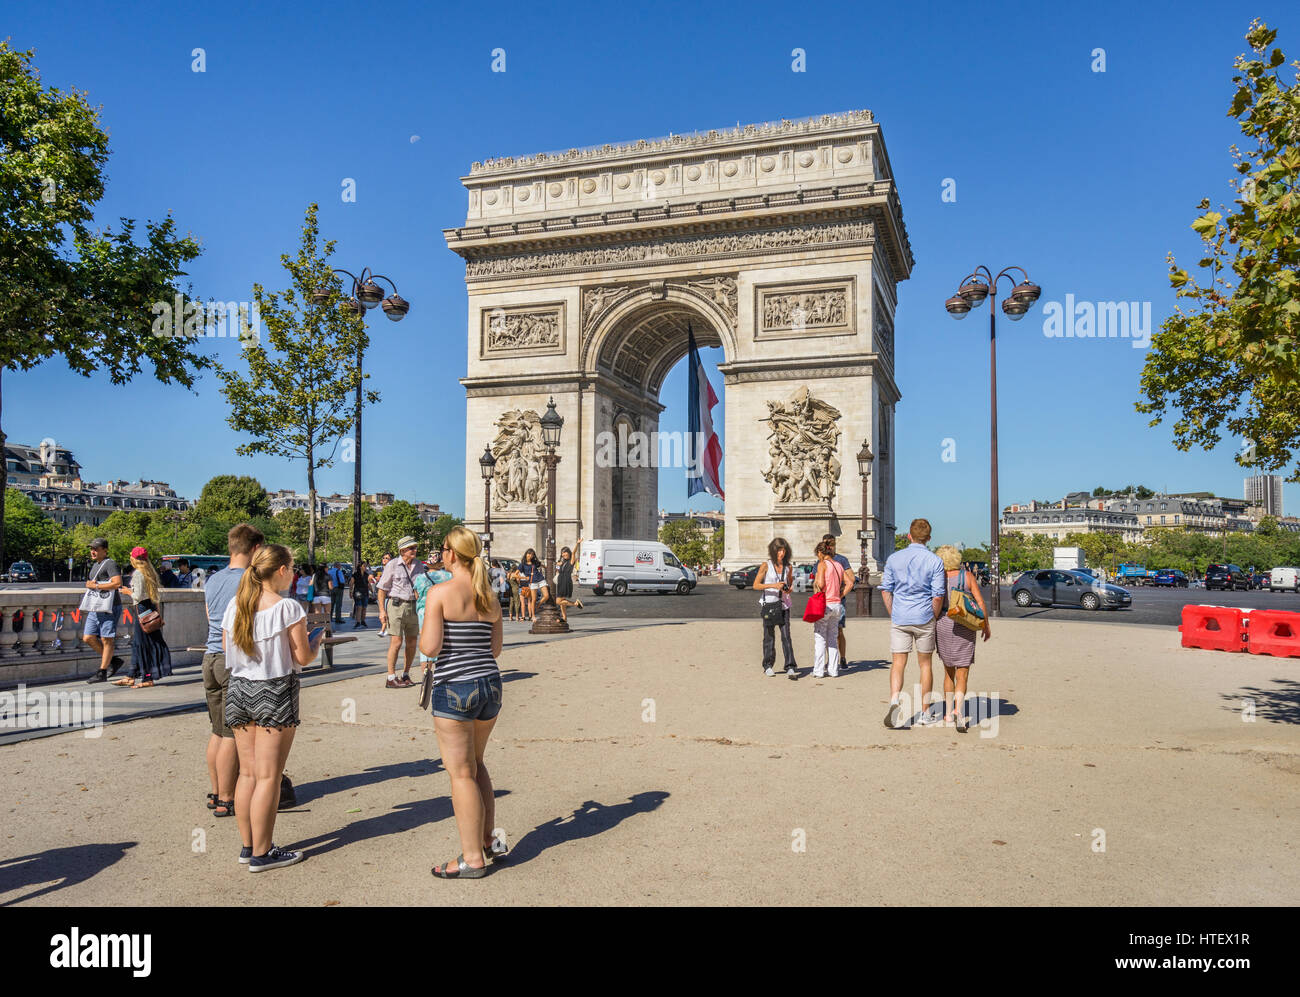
(1275, 632)
(1215, 628)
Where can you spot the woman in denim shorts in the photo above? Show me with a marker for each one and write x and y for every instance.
(462, 629)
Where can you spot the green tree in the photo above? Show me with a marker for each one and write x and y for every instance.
(717, 544)
(68, 290)
(437, 530)
(1230, 359)
(685, 539)
(230, 498)
(33, 536)
(293, 527)
(900, 541)
(296, 401)
(400, 519)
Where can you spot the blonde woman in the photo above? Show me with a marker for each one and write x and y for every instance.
(956, 643)
(462, 629)
(265, 639)
(150, 657)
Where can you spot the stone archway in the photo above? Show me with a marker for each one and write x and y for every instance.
(780, 243)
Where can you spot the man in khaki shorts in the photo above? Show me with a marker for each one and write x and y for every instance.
(397, 610)
(913, 587)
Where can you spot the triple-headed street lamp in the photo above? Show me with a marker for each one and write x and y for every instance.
(365, 295)
(547, 620)
(975, 287)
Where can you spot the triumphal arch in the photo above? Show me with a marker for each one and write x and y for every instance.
(781, 243)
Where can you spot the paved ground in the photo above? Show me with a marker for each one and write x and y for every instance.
(657, 765)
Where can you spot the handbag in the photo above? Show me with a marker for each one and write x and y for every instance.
(426, 689)
(771, 610)
(962, 609)
(151, 621)
(816, 607)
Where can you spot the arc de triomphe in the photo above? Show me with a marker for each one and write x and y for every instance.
(782, 243)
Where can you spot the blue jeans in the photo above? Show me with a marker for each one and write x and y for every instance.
(472, 699)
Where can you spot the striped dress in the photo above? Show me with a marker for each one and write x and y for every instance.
(466, 652)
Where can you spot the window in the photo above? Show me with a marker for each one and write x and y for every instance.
(1162, 520)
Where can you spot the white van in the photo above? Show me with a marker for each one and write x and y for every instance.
(1281, 579)
(622, 566)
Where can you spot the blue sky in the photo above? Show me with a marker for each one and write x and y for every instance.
(1085, 178)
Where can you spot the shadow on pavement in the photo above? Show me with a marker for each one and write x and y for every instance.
(403, 817)
(588, 820)
(70, 866)
(308, 791)
(1278, 705)
(514, 675)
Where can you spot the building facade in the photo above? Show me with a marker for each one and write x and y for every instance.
(1264, 491)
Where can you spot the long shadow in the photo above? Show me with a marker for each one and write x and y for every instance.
(403, 817)
(980, 707)
(71, 865)
(308, 791)
(515, 675)
(856, 667)
(1277, 705)
(588, 820)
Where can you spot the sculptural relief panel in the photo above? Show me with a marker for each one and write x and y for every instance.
(803, 440)
(518, 479)
(787, 311)
(523, 331)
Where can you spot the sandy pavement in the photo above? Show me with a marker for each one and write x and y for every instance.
(659, 766)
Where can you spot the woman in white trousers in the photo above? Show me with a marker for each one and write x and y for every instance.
(829, 580)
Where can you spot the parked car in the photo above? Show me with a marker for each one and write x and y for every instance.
(1259, 580)
(1051, 587)
(21, 571)
(743, 578)
(1281, 579)
(622, 566)
(1170, 578)
(1226, 576)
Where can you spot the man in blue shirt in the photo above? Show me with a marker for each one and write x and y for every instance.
(219, 588)
(913, 587)
(336, 593)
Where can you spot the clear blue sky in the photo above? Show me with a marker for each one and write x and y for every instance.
(1086, 179)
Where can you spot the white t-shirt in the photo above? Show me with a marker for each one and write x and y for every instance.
(271, 635)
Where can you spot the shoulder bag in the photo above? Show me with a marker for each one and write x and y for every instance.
(962, 609)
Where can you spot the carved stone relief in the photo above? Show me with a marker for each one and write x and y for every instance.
(813, 309)
(518, 448)
(803, 441)
(523, 330)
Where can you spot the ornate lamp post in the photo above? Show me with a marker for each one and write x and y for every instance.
(365, 295)
(548, 614)
(974, 288)
(487, 464)
(865, 534)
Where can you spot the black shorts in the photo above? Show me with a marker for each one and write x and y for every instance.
(263, 702)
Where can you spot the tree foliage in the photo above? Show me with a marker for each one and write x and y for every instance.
(685, 539)
(233, 499)
(297, 399)
(1229, 356)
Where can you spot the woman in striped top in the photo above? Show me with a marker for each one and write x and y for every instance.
(462, 629)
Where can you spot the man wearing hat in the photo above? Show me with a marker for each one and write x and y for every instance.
(397, 610)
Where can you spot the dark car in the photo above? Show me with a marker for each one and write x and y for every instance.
(1053, 587)
(743, 578)
(1259, 580)
(1170, 578)
(1226, 576)
(21, 571)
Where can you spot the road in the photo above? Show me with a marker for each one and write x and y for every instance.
(714, 600)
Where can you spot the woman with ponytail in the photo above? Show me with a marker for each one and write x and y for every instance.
(265, 638)
(150, 657)
(462, 629)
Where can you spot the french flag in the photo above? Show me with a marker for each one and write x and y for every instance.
(704, 451)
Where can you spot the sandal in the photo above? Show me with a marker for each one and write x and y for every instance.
(462, 871)
(131, 682)
(212, 801)
(224, 805)
(146, 684)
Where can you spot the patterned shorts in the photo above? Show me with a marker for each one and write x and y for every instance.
(263, 702)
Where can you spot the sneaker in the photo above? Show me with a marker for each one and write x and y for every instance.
(791, 672)
(768, 672)
(927, 719)
(99, 676)
(891, 715)
(393, 683)
(273, 859)
(246, 855)
(405, 681)
(383, 632)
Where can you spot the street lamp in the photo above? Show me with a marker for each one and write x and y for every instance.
(547, 620)
(974, 288)
(365, 295)
(487, 464)
(865, 534)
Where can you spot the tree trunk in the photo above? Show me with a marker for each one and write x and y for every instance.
(311, 513)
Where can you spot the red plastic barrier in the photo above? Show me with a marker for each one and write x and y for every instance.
(1215, 628)
(1275, 632)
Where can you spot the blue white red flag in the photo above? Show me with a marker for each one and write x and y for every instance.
(703, 449)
